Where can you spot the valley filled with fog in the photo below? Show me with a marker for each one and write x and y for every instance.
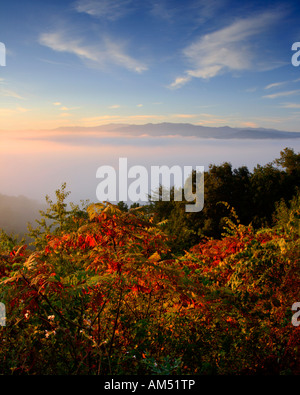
(36, 165)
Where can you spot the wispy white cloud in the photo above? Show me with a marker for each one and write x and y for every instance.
(180, 81)
(280, 94)
(11, 93)
(58, 41)
(108, 9)
(13, 111)
(226, 49)
(274, 85)
(185, 116)
(106, 119)
(116, 54)
(96, 55)
(291, 105)
(65, 108)
(195, 12)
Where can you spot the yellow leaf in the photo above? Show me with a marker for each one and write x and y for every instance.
(30, 262)
(154, 257)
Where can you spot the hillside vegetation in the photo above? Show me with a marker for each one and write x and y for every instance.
(109, 289)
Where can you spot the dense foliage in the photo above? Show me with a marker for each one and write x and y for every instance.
(102, 292)
(253, 195)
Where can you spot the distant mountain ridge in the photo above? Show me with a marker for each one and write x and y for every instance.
(183, 129)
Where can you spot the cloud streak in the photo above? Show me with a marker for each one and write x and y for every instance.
(291, 105)
(100, 55)
(274, 85)
(13, 111)
(280, 94)
(111, 10)
(226, 49)
(11, 93)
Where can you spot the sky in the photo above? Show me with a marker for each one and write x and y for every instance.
(95, 62)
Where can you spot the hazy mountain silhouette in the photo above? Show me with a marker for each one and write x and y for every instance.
(182, 129)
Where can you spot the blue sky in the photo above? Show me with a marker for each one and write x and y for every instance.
(96, 62)
(90, 62)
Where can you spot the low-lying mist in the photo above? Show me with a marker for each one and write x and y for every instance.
(16, 212)
(37, 164)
